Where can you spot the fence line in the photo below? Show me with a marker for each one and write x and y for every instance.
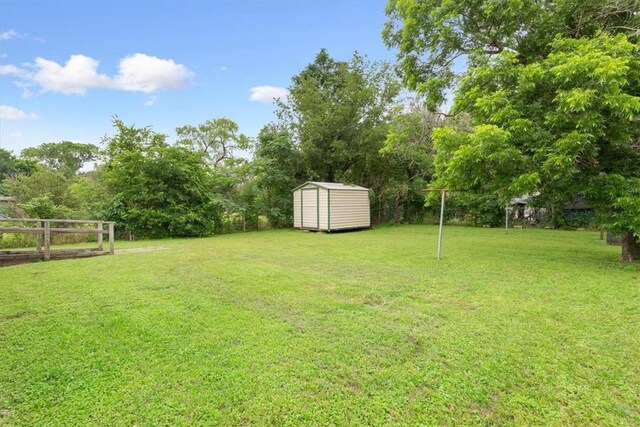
(43, 230)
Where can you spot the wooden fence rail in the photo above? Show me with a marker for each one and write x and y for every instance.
(43, 230)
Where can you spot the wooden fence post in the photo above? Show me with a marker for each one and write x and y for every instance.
(47, 241)
(111, 248)
(39, 238)
(100, 237)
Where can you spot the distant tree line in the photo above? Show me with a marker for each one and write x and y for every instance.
(343, 122)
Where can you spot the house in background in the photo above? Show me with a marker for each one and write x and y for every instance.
(576, 212)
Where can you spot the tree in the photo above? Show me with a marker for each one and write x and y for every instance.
(43, 182)
(11, 166)
(91, 195)
(409, 150)
(564, 126)
(553, 91)
(236, 184)
(7, 163)
(434, 36)
(42, 192)
(43, 207)
(277, 166)
(217, 139)
(338, 114)
(159, 190)
(65, 157)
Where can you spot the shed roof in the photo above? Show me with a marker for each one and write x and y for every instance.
(332, 186)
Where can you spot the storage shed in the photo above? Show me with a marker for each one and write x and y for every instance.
(330, 206)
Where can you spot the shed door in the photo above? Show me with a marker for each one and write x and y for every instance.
(310, 208)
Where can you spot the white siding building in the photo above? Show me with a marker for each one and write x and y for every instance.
(329, 206)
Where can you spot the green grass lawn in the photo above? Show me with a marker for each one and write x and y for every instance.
(288, 328)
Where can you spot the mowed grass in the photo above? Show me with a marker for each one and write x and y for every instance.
(365, 328)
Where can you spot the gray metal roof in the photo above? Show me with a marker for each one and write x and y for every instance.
(524, 199)
(332, 186)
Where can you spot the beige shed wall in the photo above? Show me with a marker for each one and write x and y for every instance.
(296, 208)
(309, 207)
(324, 209)
(349, 209)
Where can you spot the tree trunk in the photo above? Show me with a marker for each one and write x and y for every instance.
(614, 239)
(329, 176)
(630, 248)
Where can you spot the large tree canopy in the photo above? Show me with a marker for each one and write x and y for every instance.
(553, 89)
(431, 35)
(338, 113)
(65, 157)
(159, 190)
(218, 139)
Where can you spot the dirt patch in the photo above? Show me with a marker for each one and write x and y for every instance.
(138, 250)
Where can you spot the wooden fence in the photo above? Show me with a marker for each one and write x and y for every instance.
(44, 228)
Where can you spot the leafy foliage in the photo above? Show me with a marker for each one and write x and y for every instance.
(43, 207)
(553, 90)
(408, 150)
(277, 164)
(338, 113)
(434, 36)
(43, 182)
(65, 157)
(564, 126)
(159, 190)
(217, 139)
(11, 166)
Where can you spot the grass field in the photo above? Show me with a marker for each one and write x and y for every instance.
(289, 328)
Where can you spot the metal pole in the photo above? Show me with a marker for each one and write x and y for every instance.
(506, 219)
(442, 197)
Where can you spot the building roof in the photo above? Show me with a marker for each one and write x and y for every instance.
(332, 186)
(524, 199)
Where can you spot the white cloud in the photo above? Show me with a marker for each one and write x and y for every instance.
(9, 34)
(151, 101)
(3, 55)
(13, 70)
(224, 68)
(11, 113)
(267, 94)
(137, 73)
(143, 73)
(77, 75)
(16, 135)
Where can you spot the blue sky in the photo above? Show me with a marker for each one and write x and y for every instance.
(69, 66)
